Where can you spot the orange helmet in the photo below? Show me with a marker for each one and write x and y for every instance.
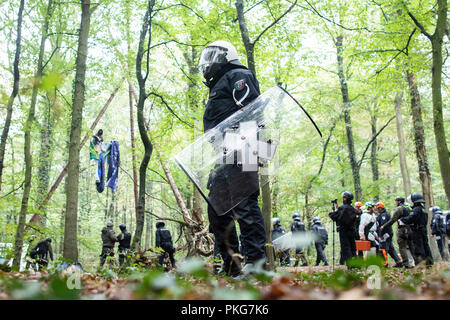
(379, 205)
(358, 204)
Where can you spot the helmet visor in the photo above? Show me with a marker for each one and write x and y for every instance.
(211, 55)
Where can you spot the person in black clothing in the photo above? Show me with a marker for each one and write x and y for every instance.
(164, 241)
(386, 235)
(124, 243)
(438, 229)
(358, 206)
(42, 252)
(231, 86)
(277, 232)
(321, 242)
(418, 220)
(345, 220)
(298, 227)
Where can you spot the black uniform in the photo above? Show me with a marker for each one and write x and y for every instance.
(418, 220)
(345, 220)
(320, 243)
(388, 234)
(438, 230)
(285, 258)
(220, 105)
(164, 241)
(124, 245)
(42, 252)
(297, 227)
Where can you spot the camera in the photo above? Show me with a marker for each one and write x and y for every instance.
(334, 201)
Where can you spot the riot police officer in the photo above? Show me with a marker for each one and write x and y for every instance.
(43, 252)
(124, 239)
(438, 229)
(164, 241)
(278, 231)
(345, 217)
(298, 227)
(418, 220)
(321, 242)
(231, 86)
(108, 240)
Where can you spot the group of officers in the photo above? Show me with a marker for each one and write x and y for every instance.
(297, 228)
(372, 222)
(163, 241)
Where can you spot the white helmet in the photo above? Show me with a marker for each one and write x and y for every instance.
(217, 53)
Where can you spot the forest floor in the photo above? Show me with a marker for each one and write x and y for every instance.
(195, 281)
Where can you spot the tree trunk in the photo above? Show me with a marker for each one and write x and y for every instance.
(140, 217)
(402, 144)
(148, 220)
(264, 179)
(438, 118)
(73, 166)
(9, 106)
(27, 143)
(347, 118)
(373, 155)
(421, 153)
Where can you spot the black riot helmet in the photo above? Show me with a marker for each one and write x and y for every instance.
(347, 195)
(400, 198)
(122, 227)
(417, 198)
(48, 240)
(160, 224)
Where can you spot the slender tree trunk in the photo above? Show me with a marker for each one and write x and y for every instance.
(27, 144)
(438, 118)
(148, 220)
(9, 106)
(73, 166)
(421, 153)
(264, 179)
(347, 118)
(146, 28)
(402, 144)
(373, 156)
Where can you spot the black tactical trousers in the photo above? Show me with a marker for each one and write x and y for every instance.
(163, 255)
(348, 245)
(389, 247)
(106, 251)
(251, 223)
(320, 254)
(441, 245)
(422, 249)
(123, 252)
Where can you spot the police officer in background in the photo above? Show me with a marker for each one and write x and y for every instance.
(386, 235)
(164, 241)
(298, 227)
(321, 242)
(43, 252)
(108, 240)
(345, 217)
(438, 229)
(418, 220)
(124, 239)
(232, 86)
(277, 232)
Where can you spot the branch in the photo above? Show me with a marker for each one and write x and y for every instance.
(168, 107)
(418, 24)
(373, 139)
(274, 22)
(12, 191)
(168, 219)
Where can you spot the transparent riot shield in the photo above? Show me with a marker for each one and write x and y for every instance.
(295, 240)
(271, 135)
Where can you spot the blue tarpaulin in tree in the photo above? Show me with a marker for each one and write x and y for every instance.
(113, 166)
